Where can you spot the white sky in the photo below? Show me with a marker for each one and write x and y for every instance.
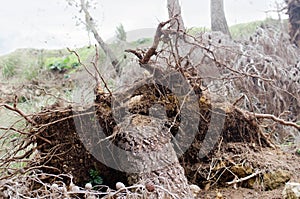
(51, 23)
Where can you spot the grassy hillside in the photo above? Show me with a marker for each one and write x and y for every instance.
(26, 64)
(244, 30)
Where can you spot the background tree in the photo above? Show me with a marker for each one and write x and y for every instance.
(173, 10)
(90, 24)
(121, 33)
(294, 20)
(218, 19)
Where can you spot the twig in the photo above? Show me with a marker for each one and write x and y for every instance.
(80, 62)
(95, 67)
(135, 53)
(238, 100)
(274, 118)
(15, 109)
(245, 178)
(91, 26)
(95, 63)
(152, 50)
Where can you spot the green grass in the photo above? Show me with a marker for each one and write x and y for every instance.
(30, 73)
(9, 66)
(67, 60)
(240, 31)
(193, 31)
(245, 30)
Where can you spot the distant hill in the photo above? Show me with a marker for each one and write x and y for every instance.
(22, 62)
(134, 35)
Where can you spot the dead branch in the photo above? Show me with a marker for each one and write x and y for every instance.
(135, 53)
(91, 26)
(82, 64)
(274, 118)
(98, 74)
(245, 178)
(152, 50)
(21, 113)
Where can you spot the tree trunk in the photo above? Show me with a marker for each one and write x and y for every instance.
(150, 158)
(91, 26)
(218, 19)
(294, 20)
(173, 10)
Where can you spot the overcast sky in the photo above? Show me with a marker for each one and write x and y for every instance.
(51, 23)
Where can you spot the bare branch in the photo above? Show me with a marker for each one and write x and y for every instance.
(269, 116)
(152, 50)
(91, 26)
(21, 113)
(245, 178)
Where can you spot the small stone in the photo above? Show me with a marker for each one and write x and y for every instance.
(54, 186)
(88, 186)
(75, 189)
(195, 189)
(120, 185)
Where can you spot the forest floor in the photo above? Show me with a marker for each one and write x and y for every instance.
(284, 158)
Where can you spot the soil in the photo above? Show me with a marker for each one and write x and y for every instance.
(287, 161)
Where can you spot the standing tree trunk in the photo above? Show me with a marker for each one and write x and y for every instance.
(218, 19)
(294, 20)
(173, 10)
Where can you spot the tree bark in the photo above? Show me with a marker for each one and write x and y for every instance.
(91, 26)
(151, 159)
(294, 20)
(174, 9)
(218, 19)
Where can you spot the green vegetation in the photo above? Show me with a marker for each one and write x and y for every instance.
(240, 31)
(30, 72)
(68, 61)
(61, 63)
(95, 177)
(193, 31)
(142, 41)
(9, 66)
(120, 33)
(245, 30)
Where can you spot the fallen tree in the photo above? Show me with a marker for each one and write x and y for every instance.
(65, 143)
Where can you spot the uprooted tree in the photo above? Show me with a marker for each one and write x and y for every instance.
(136, 134)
